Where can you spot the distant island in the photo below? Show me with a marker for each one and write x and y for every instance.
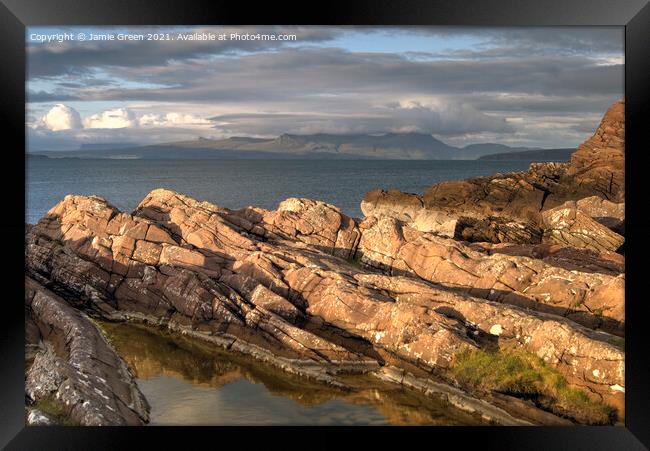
(36, 156)
(539, 155)
(389, 146)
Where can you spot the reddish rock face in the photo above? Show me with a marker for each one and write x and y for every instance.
(570, 258)
(599, 163)
(570, 225)
(314, 223)
(577, 352)
(508, 207)
(608, 213)
(285, 286)
(225, 274)
(511, 278)
(544, 239)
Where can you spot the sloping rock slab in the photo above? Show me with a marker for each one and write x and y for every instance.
(78, 368)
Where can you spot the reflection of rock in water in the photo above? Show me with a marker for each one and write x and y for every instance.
(402, 408)
(154, 352)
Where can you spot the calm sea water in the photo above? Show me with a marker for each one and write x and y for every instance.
(240, 183)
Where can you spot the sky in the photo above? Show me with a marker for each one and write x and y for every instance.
(534, 87)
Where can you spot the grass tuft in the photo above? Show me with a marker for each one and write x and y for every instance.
(522, 374)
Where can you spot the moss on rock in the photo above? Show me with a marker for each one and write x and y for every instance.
(522, 374)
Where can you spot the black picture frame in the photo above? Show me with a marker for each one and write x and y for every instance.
(15, 15)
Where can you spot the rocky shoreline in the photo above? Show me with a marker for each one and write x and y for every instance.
(527, 262)
(579, 204)
(75, 368)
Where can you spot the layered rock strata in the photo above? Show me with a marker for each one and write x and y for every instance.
(286, 286)
(571, 225)
(594, 299)
(76, 368)
(598, 163)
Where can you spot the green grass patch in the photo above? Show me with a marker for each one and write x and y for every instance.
(522, 374)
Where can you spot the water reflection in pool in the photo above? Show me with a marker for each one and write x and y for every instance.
(190, 383)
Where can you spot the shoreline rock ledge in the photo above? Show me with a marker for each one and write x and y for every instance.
(75, 367)
(516, 207)
(319, 294)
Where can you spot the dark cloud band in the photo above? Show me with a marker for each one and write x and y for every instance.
(321, 84)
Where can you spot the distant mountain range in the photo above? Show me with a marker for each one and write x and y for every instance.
(406, 146)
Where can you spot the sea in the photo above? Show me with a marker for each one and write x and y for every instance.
(240, 183)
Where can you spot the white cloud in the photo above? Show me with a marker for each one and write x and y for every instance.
(115, 118)
(443, 117)
(127, 118)
(61, 117)
(172, 120)
(611, 61)
(61, 127)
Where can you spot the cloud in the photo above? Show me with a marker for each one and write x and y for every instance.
(64, 118)
(79, 58)
(61, 117)
(440, 118)
(172, 120)
(127, 118)
(535, 40)
(562, 40)
(302, 74)
(446, 118)
(115, 118)
(557, 81)
(43, 96)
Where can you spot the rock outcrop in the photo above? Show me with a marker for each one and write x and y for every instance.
(608, 213)
(570, 258)
(598, 163)
(570, 225)
(287, 287)
(203, 267)
(76, 368)
(509, 207)
(593, 299)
